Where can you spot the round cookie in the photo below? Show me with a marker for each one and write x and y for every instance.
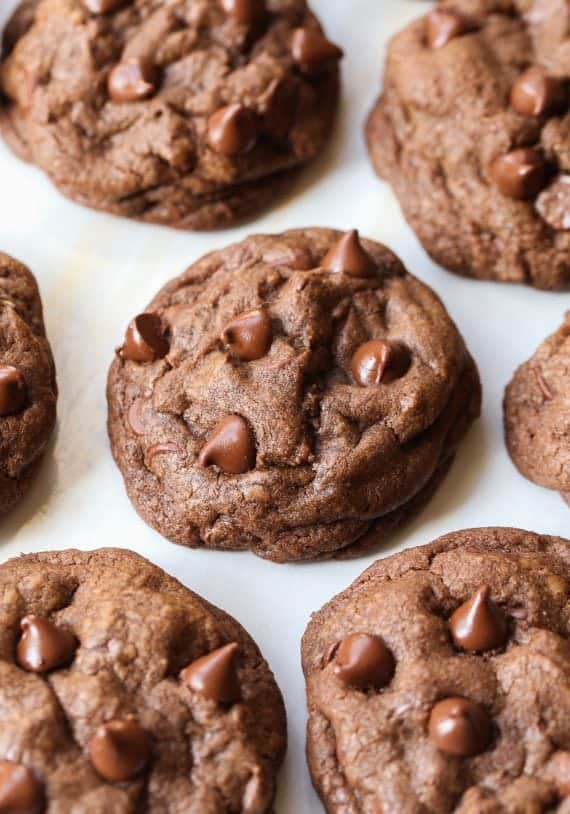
(473, 133)
(28, 390)
(300, 395)
(537, 413)
(439, 681)
(122, 691)
(192, 113)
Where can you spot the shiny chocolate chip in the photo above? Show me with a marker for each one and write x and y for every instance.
(521, 173)
(249, 334)
(312, 52)
(215, 675)
(20, 790)
(379, 362)
(231, 446)
(479, 624)
(44, 646)
(364, 662)
(13, 390)
(244, 12)
(442, 26)
(233, 130)
(460, 727)
(144, 339)
(133, 80)
(348, 256)
(120, 750)
(536, 93)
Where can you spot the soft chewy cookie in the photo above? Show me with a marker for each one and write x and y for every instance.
(191, 113)
(122, 691)
(28, 390)
(473, 133)
(537, 413)
(439, 681)
(298, 394)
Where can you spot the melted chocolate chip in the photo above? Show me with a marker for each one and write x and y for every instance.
(364, 662)
(244, 12)
(120, 750)
(536, 93)
(460, 727)
(520, 174)
(442, 26)
(144, 339)
(20, 790)
(231, 446)
(348, 256)
(103, 6)
(378, 362)
(312, 52)
(215, 676)
(13, 390)
(478, 624)
(135, 417)
(249, 334)
(43, 646)
(233, 130)
(132, 80)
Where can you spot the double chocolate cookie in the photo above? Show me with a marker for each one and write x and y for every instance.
(122, 691)
(473, 133)
(439, 681)
(299, 395)
(537, 413)
(191, 113)
(28, 390)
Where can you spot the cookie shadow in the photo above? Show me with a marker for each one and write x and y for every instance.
(33, 505)
(459, 484)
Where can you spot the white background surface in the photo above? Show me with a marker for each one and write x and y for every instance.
(95, 272)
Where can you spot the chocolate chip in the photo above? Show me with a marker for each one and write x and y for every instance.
(244, 12)
(132, 80)
(144, 339)
(347, 256)
(103, 6)
(135, 418)
(520, 174)
(120, 750)
(443, 26)
(378, 362)
(312, 52)
(478, 624)
(249, 334)
(364, 662)
(536, 93)
(44, 646)
(13, 390)
(20, 790)
(215, 676)
(231, 446)
(233, 130)
(460, 727)
(280, 109)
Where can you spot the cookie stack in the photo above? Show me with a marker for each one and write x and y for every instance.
(301, 396)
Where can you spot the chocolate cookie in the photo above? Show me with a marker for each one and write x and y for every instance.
(473, 133)
(191, 113)
(537, 413)
(439, 681)
(299, 395)
(122, 691)
(28, 390)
